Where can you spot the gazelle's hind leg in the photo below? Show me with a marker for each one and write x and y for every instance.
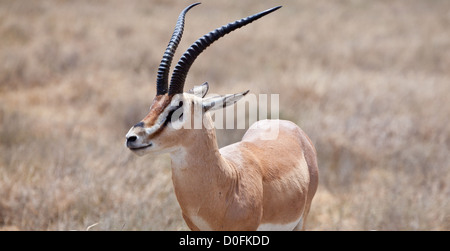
(300, 226)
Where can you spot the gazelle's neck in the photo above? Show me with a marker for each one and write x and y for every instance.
(202, 178)
(198, 147)
(200, 153)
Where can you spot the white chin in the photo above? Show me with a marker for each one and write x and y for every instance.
(139, 152)
(142, 151)
(153, 150)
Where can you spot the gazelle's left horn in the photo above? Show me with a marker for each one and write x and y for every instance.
(163, 70)
(181, 69)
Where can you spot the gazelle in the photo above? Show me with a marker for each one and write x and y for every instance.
(254, 184)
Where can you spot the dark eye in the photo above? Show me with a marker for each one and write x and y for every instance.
(175, 111)
(179, 106)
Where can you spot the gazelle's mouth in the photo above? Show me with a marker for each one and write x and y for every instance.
(140, 148)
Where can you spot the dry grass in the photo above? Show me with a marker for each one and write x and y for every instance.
(367, 80)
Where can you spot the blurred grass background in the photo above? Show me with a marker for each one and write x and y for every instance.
(369, 81)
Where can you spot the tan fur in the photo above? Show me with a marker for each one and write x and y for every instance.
(159, 104)
(243, 185)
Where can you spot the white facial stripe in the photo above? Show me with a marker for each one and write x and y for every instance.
(159, 122)
(162, 117)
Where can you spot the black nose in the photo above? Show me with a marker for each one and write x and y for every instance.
(131, 140)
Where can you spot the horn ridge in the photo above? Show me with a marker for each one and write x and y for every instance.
(187, 59)
(162, 78)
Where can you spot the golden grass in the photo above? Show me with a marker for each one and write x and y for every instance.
(367, 80)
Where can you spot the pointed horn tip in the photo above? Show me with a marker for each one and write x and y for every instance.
(189, 7)
(273, 9)
(194, 4)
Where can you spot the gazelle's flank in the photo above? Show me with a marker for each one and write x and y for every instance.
(254, 184)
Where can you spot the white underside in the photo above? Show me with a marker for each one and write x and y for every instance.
(281, 227)
(204, 226)
(200, 223)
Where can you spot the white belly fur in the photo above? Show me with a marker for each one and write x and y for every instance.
(200, 223)
(280, 227)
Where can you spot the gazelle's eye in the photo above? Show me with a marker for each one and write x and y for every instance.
(180, 113)
(175, 111)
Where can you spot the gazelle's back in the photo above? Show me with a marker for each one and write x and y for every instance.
(287, 166)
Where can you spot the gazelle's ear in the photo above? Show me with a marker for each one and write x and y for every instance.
(214, 103)
(200, 91)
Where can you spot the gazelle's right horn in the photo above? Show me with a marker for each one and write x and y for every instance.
(182, 68)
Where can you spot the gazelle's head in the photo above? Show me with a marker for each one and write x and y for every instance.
(173, 110)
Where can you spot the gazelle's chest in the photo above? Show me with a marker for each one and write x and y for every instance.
(197, 210)
(202, 218)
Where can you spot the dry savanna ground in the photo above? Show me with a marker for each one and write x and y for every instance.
(369, 81)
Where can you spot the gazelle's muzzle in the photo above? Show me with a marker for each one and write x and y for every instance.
(136, 137)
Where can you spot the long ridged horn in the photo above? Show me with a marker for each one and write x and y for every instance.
(181, 69)
(163, 70)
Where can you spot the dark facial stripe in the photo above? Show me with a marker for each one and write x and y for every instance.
(140, 124)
